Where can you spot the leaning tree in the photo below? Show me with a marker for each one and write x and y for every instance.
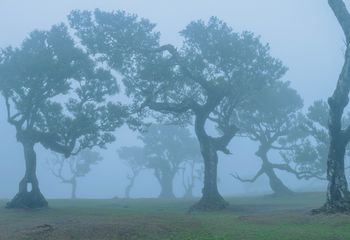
(55, 96)
(310, 156)
(269, 118)
(69, 170)
(215, 69)
(338, 197)
(274, 119)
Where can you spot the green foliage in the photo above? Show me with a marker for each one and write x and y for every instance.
(75, 166)
(251, 218)
(166, 148)
(133, 156)
(57, 95)
(272, 115)
(313, 153)
(214, 62)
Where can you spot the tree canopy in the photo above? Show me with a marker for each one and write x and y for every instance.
(56, 95)
(214, 70)
(166, 150)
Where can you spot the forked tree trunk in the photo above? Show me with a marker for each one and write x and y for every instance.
(29, 195)
(211, 198)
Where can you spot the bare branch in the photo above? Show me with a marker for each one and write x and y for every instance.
(259, 173)
(299, 174)
(222, 142)
(182, 107)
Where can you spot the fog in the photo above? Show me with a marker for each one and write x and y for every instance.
(303, 34)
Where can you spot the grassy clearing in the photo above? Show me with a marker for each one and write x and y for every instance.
(249, 218)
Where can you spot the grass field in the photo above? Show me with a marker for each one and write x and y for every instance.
(249, 218)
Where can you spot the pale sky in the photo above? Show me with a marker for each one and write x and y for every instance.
(303, 34)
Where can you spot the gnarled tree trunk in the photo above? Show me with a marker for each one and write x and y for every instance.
(276, 184)
(338, 199)
(211, 198)
(29, 195)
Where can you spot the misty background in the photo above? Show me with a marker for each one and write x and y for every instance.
(303, 34)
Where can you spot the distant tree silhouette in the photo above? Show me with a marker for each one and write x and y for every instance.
(191, 174)
(134, 157)
(68, 170)
(166, 149)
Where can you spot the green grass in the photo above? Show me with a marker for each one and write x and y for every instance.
(249, 218)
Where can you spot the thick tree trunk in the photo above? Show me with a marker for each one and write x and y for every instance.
(166, 186)
(211, 199)
(74, 188)
(338, 199)
(29, 195)
(276, 184)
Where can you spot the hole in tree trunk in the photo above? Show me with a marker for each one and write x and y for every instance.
(29, 187)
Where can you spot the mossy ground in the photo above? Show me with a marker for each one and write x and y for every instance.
(248, 218)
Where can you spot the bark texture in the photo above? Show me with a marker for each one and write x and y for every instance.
(28, 198)
(338, 199)
(268, 168)
(211, 198)
(276, 184)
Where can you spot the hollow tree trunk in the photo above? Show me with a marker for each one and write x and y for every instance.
(26, 197)
(211, 198)
(338, 199)
(166, 186)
